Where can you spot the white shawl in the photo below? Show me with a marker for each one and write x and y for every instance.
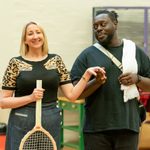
(129, 65)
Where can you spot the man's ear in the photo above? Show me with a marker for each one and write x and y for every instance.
(115, 22)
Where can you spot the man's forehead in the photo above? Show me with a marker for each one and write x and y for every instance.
(101, 17)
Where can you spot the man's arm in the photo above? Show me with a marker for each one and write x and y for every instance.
(143, 83)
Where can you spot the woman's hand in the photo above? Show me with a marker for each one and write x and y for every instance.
(37, 94)
(101, 77)
(98, 72)
(95, 70)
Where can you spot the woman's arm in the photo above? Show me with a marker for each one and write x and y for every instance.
(92, 86)
(7, 99)
(73, 92)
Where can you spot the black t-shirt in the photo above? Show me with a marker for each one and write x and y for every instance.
(105, 109)
(21, 76)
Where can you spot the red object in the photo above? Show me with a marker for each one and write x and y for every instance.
(2, 142)
(145, 99)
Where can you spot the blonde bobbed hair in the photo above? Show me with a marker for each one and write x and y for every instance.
(24, 47)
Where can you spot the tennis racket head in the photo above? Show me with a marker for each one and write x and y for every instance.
(38, 139)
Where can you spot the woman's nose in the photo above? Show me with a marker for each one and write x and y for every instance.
(35, 35)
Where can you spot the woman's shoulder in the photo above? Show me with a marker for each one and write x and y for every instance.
(53, 55)
(15, 58)
(50, 56)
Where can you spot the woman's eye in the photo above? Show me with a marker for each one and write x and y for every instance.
(30, 33)
(38, 32)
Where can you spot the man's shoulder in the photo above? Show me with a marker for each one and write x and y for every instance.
(88, 49)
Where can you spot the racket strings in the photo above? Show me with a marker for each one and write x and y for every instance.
(38, 141)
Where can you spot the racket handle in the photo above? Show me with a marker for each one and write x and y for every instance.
(38, 105)
(38, 83)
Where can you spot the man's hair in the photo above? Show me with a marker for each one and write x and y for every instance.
(112, 14)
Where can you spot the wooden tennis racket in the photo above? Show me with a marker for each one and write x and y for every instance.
(38, 138)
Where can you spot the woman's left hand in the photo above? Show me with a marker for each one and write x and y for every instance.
(95, 70)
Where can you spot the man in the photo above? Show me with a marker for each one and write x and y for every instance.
(112, 117)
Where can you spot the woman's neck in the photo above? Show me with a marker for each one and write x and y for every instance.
(35, 56)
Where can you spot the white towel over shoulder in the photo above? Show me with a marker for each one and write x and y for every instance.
(129, 64)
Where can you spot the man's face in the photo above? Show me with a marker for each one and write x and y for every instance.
(104, 29)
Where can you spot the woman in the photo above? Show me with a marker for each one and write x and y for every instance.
(20, 94)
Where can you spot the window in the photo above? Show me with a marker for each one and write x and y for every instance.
(133, 24)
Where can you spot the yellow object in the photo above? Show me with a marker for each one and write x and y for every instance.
(144, 137)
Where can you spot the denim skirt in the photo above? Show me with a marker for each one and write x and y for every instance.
(22, 120)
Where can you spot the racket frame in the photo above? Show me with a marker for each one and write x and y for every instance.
(38, 126)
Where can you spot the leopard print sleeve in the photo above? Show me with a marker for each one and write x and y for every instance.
(64, 74)
(9, 78)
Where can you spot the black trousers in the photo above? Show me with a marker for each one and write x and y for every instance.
(111, 140)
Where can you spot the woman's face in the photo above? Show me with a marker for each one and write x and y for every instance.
(34, 37)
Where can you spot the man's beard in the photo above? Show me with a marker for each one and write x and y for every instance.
(107, 41)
